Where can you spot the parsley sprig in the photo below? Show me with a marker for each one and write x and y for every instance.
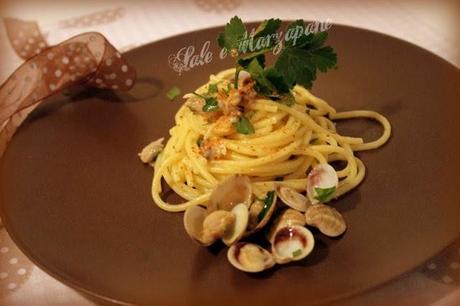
(297, 63)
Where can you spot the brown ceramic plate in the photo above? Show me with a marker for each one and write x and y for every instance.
(76, 199)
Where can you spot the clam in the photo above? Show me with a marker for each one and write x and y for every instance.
(322, 182)
(232, 191)
(254, 210)
(292, 198)
(287, 217)
(327, 219)
(250, 257)
(291, 243)
(220, 224)
(261, 212)
(193, 222)
(217, 225)
(238, 229)
(150, 152)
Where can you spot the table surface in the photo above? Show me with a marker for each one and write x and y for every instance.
(433, 25)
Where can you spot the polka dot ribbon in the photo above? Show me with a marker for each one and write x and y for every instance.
(88, 59)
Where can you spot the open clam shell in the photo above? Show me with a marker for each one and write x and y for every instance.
(236, 232)
(260, 218)
(327, 219)
(322, 182)
(207, 228)
(217, 224)
(250, 257)
(292, 198)
(234, 190)
(194, 217)
(287, 217)
(291, 243)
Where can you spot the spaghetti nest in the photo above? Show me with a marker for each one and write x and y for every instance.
(278, 145)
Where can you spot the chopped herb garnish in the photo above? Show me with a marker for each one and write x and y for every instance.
(229, 87)
(325, 194)
(297, 253)
(211, 105)
(212, 88)
(199, 141)
(173, 93)
(267, 204)
(244, 126)
(298, 61)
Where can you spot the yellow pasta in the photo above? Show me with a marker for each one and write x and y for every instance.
(286, 143)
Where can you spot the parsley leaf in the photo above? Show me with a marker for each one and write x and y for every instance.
(234, 31)
(173, 93)
(265, 34)
(298, 62)
(317, 40)
(244, 61)
(293, 29)
(277, 80)
(237, 41)
(212, 88)
(301, 58)
(296, 67)
(244, 126)
(258, 74)
(211, 105)
(267, 27)
(325, 194)
(267, 204)
(324, 58)
(268, 81)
